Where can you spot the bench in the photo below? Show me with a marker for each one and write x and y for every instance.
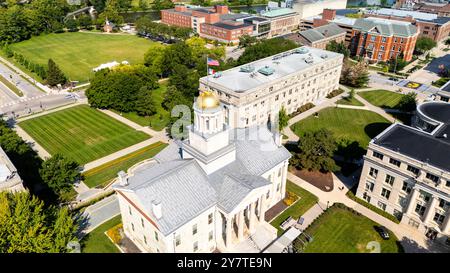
(286, 223)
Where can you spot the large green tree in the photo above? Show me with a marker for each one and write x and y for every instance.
(338, 47)
(354, 75)
(315, 151)
(283, 119)
(59, 173)
(176, 54)
(265, 48)
(55, 75)
(27, 226)
(408, 102)
(424, 44)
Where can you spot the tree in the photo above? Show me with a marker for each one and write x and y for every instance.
(158, 5)
(59, 173)
(423, 44)
(351, 94)
(338, 47)
(145, 106)
(27, 226)
(71, 25)
(247, 40)
(315, 151)
(408, 102)
(154, 57)
(397, 64)
(111, 12)
(85, 21)
(143, 4)
(185, 80)
(354, 75)
(447, 42)
(54, 74)
(176, 54)
(265, 48)
(283, 119)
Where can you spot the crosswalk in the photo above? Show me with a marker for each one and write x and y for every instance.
(24, 100)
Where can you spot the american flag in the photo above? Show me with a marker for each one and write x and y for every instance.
(213, 62)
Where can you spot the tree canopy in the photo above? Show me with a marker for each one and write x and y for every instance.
(408, 102)
(354, 75)
(265, 48)
(424, 44)
(315, 151)
(55, 75)
(283, 119)
(59, 173)
(27, 226)
(338, 47)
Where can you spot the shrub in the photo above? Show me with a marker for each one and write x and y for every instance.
(372, 207)
(290, 198)
(334, 93)
(302, 109)
(114, 233)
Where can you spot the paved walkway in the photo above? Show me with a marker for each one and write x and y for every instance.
(34, 145)
(412, 240)
(100, 212)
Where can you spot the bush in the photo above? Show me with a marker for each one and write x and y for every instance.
(290, 198)
(334, 93)
(115, 234)
(372, 207)
(302, 109)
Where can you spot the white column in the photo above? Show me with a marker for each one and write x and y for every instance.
(229, 228)
(412, 202)
(241, 225)
(429, 214)
(446, 226)
(252, 217)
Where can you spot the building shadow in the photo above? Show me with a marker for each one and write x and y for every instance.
(374, 129)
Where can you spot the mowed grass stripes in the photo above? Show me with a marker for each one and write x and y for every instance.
(81, 133)
(382, 98)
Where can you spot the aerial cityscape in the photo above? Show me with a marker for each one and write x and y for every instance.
(239, 126)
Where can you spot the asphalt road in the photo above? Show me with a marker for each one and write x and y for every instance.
(28, 89)
(100, 212)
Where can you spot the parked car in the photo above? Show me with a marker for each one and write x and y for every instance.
(393, 79)
(384, 233)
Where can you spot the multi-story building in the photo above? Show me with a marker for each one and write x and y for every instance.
(254, 93)
(331, 16)
(430, 25)
(282, 21)
(406, 171)
(444, 93)
(308, 8)
(207, 193)
(9, 178)
(318, 37)
(382, 40)
(441, 9)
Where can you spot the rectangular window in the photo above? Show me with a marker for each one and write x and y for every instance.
(210, 218)
(377, 155)
(394, 162)
(389, 179)
(406, 187)
(177, 240)
(129, 210)
(268, 195)
(145, 239)
(381, 205)
(210, 237)
(438, 218)
(132, 226)
(432, 177)
(370, 186)
(142, 223)
(373, 172)
(194, 229)
(385, 193)
(420, 209)
(447, 184)
(383, 39)
(156, 236)
(195, 246)
(372, 38)
(402, 201)
(412, 169)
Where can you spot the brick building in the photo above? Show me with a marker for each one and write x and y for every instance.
(429, 25)
(381, 40)
(318, 37)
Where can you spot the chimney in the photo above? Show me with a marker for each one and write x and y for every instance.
(329, 14)
(180, 8)
(156, 208)
(123, 179)
(222, 9)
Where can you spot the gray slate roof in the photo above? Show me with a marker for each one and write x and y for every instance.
(385, 27)
(185, 190)
(323, 32)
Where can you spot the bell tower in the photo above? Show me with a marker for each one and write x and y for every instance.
(209, 136)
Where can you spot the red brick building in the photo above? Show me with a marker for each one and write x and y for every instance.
(215, 23)
(381, 40)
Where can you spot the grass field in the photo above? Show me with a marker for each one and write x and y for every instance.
(350, 101)
(77, 53)
(341, 231)
(103, 174)
(381, 98)
(159, 120)
(350, 124)
(97, 242)
(81, 133)
(11, 86)
(307, 200)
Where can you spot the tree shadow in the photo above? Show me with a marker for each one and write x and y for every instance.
(374, 129)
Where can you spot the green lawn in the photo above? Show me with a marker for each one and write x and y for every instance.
(349, 124)
(103, 174)
(78, 53)
(10, 86)
(307, 200)
(381, 98)
(159, 120)
(81, 133)
(350, 101)
(341, 231)
(97, 242)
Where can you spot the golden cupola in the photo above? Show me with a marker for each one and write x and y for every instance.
(207, 100)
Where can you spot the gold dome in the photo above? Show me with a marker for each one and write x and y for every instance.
(207, 100)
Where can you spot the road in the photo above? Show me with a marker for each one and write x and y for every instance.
(28, 89)
(100, 212)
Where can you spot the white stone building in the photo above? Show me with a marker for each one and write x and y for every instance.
(253, 94)
(9, 178)
(406, 171)
(208, 193)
